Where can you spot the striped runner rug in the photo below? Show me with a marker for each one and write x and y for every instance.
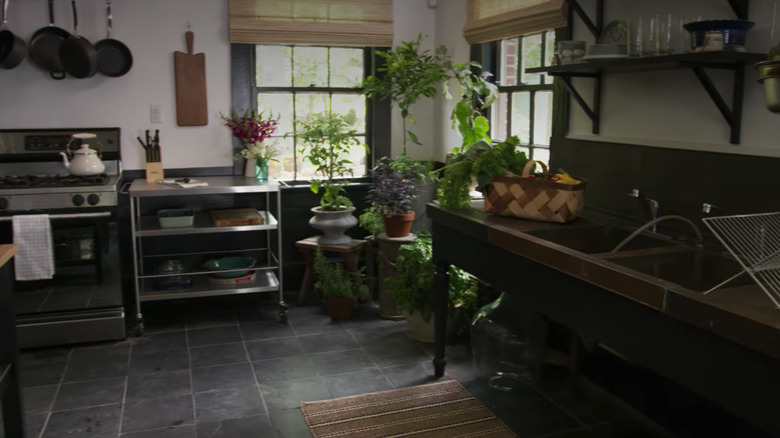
(443, 409)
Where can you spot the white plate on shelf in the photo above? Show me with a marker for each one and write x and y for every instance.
(609, 56)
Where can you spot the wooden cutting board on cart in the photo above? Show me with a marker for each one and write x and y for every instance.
(189, 72)
(235, 217)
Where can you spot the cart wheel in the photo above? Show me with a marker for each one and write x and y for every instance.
(283, 312)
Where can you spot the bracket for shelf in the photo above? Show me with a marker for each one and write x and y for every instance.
(595, 28)
(740, 8)
(594, 114)
(732, 115)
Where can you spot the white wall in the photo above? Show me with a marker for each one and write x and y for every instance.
(153, 30)
(671, 108)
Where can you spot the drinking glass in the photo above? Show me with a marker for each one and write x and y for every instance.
(636, 37)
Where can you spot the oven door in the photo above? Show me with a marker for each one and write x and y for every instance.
(83, 302)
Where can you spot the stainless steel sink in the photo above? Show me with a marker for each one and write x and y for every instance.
(696, 269)
(599, 239)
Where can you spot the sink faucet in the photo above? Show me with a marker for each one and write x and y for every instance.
(652, 205)
(699, 238)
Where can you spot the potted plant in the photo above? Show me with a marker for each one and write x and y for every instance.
(327, 140)
(391, 195)
(253, 130)
(412, 288)
(407, 75)
(340, 289)
(482, 161)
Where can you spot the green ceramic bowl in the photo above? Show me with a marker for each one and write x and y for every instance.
(229, 263)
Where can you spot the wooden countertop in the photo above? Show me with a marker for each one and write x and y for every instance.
(7, 251)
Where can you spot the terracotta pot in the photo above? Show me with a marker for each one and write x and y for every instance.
(339, 307)
(398, 225)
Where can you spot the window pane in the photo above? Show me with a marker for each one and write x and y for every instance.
(521, 116)
(532, 57)
(353, 106)
(272, 66)
(498, 117)
(509, 61)
(346, 67)
(549, 55)
(543, 155)
(310, 67)
(307, 104)
(543, 117)
(285, 168)
(357, 155)
(280, 105)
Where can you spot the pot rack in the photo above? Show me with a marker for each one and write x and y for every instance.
(697, 62)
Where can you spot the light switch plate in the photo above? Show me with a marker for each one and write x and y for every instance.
(155, 114)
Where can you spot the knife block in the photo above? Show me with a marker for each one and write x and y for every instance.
(154, 171)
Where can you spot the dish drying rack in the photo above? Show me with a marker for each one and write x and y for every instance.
(754, 240)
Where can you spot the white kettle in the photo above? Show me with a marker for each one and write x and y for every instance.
(85, 161)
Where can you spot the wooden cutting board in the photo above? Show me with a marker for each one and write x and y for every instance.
(189, 72)
(235, 217)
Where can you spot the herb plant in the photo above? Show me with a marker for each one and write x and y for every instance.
(334, 281)
(371, 220)
(392, 190)
(327, 141)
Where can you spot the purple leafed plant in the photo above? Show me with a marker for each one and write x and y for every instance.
(392, 192)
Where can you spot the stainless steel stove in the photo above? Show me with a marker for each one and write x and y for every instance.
(83, 302)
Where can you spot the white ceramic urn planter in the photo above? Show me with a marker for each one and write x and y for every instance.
(333, 224)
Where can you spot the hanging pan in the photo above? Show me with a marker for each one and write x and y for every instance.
(78, 55)
(114, 58)
(45, 46)
(12, 48)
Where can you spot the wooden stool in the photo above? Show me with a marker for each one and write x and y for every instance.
(350, 253)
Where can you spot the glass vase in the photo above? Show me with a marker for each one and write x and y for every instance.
(261, 170)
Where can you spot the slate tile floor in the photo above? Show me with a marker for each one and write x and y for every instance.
(227, 369)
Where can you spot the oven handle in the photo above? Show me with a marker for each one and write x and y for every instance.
(125, 188)
(67, 216)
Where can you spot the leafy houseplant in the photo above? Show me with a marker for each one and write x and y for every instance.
(477, 94)
(482, 161)
(253, 130)
(412, 287)
(407, 75)
(327, 141)
(392, 194)
(339, 288)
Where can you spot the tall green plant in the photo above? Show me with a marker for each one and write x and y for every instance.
(327, 141)
(477, 93)
(408, 74)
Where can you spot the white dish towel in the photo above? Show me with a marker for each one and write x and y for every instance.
(34, 258)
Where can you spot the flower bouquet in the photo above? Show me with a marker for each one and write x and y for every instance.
(253, 129)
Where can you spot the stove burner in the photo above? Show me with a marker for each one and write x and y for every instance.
(24, 181)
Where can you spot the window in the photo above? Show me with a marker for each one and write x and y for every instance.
(298, 81)
(524, 106)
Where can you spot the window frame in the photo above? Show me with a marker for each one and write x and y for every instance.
(244, 92)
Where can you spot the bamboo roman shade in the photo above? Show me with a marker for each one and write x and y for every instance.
(320, 22)
(492, 20)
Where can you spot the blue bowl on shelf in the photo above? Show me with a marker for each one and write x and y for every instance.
(230, 263)
(718, 35)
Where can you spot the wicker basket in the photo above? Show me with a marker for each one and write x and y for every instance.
(535, 198)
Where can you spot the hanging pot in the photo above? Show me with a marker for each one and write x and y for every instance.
(78, 55)
(114, 58)
(12, 48)
(769, 75)
(45, 46)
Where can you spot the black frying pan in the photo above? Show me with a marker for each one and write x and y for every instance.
(12, 48)
(114, 58)
(45, 46)
(78, 55)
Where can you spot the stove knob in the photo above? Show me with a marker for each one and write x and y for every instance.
(78, 200)
(93, 199)
(3, 203)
